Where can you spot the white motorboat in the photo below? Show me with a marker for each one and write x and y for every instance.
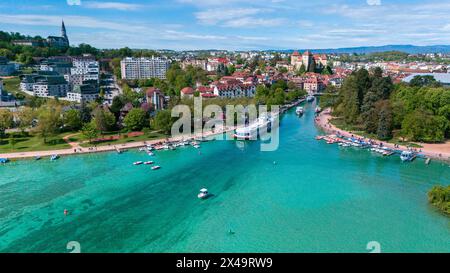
(407, 156)
(203, 194)
(138, 163)
(310, 98)
(299, 110)
(148, 162)
(156, 167)
(54, 157)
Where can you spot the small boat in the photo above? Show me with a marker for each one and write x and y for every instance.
(37, 157)
(148, 162)
(54, 157)
(299, 110)
(138, 163)
(151, 154)
(310, 98)
(156, 167)
(196, 146)
(203, 194)
(407, 156)
(318, 110)
(4, 160)
(142, 149)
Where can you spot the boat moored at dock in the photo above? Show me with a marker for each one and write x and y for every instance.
(408, 156)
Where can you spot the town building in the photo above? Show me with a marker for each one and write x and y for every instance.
(144, 68)
(83, 93)
(59, 41)
(187, 92)
(195, 63)
(310, 61)
(155, 98)
(52, 41)
(84, 69)
(50, 86)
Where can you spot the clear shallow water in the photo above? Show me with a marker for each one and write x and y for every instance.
(317, 198)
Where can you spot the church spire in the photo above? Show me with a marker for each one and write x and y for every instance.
(63, 32)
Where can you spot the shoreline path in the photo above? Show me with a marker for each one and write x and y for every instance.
(435, 151)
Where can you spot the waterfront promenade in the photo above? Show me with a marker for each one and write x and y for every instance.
(435, 151)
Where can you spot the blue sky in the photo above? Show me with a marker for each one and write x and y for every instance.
(233, 24)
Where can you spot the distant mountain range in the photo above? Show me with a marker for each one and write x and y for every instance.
(411, 49)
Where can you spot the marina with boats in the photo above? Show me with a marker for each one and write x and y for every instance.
(367, 144)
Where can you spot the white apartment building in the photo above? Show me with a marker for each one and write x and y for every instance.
(50, 88)
(143, 68)
(83, 93)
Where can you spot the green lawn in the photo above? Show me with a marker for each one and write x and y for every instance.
(122, 140)
(33, 143)
(12, 85)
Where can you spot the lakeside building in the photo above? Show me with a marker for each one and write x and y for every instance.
(144, 68)
(7, 68)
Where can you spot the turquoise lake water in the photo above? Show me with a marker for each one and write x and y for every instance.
(317, 198)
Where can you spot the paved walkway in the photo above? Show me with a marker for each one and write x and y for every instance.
(436, 151)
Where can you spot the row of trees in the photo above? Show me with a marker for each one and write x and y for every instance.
(419, 112)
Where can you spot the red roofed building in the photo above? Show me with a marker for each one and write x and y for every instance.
(234, 90)
(155, 98)
(187, 92)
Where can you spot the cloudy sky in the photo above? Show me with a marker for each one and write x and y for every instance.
(233, 24)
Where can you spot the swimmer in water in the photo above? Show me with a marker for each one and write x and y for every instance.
(66, 212)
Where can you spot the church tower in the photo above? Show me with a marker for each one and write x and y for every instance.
(64, 33)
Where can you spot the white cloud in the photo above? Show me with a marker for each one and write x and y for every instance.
(214, 16)
(74, 2)
(374, 2)
(111, 5)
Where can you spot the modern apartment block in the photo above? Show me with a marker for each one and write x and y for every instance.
(144, 68)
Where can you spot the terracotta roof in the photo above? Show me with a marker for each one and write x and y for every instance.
(187, 91)
(152, 90)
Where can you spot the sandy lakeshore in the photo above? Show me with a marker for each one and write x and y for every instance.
(436, 151)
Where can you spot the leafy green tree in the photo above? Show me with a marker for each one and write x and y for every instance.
(163, 121)
(6, 121)
(90, 131)
(103, 119)
(72, 120)
(385, 123)
(49, 121)
(426, 80)
(423, 126)
(135, 119)
(26, 116)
